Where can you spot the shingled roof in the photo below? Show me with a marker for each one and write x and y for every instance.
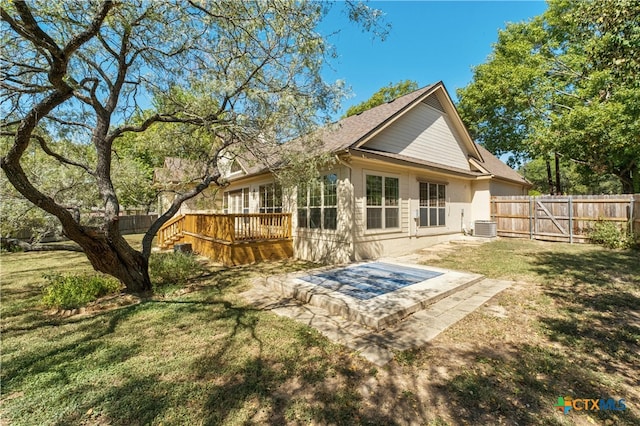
(499, 169)
(348, 133)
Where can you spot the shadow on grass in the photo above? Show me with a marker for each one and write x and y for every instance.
(594, 336)
(297, 388)
(521, 385)
(235, 371)
(599, 308)
(597, 267)
(66, 359)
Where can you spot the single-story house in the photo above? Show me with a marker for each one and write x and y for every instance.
(406, 175)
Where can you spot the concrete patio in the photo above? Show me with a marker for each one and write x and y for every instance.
(380, 326)
(377, 312)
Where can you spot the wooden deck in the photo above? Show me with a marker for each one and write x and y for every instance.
(233, 239)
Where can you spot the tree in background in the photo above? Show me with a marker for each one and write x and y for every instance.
(69, 187)
(573, 180)
(567, 83)
(385, 94)
(238, 75)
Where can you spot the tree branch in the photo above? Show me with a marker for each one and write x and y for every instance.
(68, 123)
(60, 158)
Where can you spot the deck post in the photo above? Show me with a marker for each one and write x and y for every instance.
(231, 221)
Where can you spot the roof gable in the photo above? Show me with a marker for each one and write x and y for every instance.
(357, 130)
(350, 131)
(424, 133)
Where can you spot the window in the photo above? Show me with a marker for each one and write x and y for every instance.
(432, 204)
(235, 167)
(236, 201)
(330, 201)
(318, 203)
(383, 202)
(270, 198)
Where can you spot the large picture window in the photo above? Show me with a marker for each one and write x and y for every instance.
(383, 202)
(318, 203)
(432, 204)
(270, 198)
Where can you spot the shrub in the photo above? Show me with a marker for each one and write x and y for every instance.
(173, 269)
(68, 291)
(609, 235)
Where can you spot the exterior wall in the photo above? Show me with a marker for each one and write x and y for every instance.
(408, 237)
(483, 190)
(424, 133)
(480, 201)
(331, 246)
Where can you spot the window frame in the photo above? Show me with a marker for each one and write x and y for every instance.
(384, 205)
(245, 200)
(431, 206)
(312, 208)
(269, 193)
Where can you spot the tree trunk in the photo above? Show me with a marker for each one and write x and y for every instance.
(107, 251)
(549, 177)
(630, 179)
(115, 257)
(558, 185)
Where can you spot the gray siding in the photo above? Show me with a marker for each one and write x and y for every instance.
(433, 101)
(423, 133)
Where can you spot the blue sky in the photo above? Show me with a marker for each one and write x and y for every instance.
(429, 41)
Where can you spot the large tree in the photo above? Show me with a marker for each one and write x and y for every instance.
(384, 94)
(231, 73)
(565, 84)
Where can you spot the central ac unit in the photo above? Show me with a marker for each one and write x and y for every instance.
(485, 228)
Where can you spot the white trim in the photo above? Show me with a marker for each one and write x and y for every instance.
(383, 229)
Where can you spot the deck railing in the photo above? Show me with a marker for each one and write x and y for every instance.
(230, 227)
(171, 230)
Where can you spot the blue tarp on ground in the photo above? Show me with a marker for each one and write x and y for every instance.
(370, 280)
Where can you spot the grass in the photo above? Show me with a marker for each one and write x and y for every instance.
(572, 329)
(206, 357)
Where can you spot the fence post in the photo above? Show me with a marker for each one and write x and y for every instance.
(535, 216)
(631, 216)
(530, 218)
(570, 220)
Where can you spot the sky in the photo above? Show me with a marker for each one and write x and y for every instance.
(429, 41)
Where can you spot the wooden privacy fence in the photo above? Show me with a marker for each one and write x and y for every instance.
(128, 224)
(563, 218)
(135, 224)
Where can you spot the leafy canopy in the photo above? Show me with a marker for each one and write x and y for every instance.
(566, 82)
(385, 94)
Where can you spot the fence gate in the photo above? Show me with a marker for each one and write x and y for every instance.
(561, 218)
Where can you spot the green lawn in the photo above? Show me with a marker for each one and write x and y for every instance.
(570, 327)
